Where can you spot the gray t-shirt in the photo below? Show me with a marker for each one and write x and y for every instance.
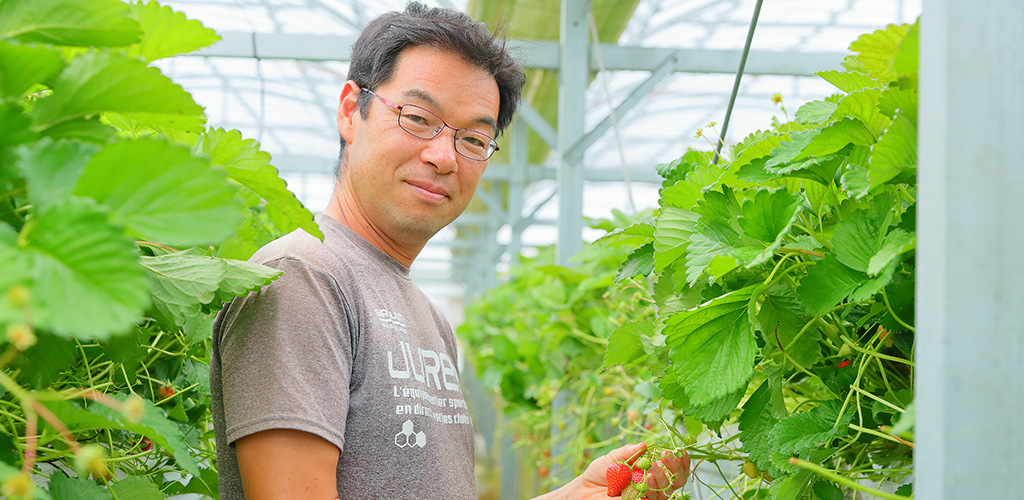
(344, 346)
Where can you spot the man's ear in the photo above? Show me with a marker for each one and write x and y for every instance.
(348, 110)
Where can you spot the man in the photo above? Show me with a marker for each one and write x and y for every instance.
(338, 380)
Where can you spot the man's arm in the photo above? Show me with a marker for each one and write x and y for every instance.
(285, 464)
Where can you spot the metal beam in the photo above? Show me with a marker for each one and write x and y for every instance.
(537, 122)
(575, 153)
(538, 54)
(573, 79)
(970, 349)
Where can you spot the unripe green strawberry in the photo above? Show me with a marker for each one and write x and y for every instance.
(750, 469)
(644, 462)
(641, 487)
(89, 460)
(846, 350)
(630, 492)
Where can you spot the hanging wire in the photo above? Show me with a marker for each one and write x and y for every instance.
(611, 109)
(736, 83)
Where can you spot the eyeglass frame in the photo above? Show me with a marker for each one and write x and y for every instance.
(437, 131)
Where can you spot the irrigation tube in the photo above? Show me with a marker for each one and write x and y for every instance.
(736, 83)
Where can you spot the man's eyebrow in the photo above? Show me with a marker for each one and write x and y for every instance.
(428, 99)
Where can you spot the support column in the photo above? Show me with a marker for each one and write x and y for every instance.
(970, 290)
(573, 77)
(518, 156)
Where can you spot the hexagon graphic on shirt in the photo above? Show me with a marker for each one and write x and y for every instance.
(408, 437)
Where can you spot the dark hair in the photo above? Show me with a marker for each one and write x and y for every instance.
(383, 40)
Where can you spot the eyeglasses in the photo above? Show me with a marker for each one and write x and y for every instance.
(424, 124)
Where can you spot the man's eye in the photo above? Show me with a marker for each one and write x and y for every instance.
(475, 142)
(414, 118)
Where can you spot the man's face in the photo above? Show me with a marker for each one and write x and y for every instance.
(406, 187)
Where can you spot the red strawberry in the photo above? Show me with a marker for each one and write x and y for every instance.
(165, 391)
(844, 364)
(638, 475)
(618, 476)
(146, 444)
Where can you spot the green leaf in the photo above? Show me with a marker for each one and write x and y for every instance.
(713, 347)
(81, 23)
(88, 282)
(155, 426)
(127, 351)
(65, 488)
(714, 413)
(250, 167)
(759, 148)
(8, 451)
(862, 105)
(905, 61)
(861, 234)
(643, 227)
(755, 424)
(804, 430)
(770, 214)
(815, 112)
(790, 487)
(102, 81)
(84, 129)
(625, 346)
(896, 99)
(895, 154)
(41, 364)
(52, 169)
(185, 283)
(781, 319)
(855, 181)
(849, 81)
(136, 488)
(877, 50)
(167, 33)
(640, 262)
(672, 235)
(830, 282)
(197, 374)
(896, 243)
(905, 490)
(22, 66)
(162, 193)
(826, 490)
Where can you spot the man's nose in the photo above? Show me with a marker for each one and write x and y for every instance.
(440, 152)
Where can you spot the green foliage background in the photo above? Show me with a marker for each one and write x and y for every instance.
(124, 225)
(764, 313)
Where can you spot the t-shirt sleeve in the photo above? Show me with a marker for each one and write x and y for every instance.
(286, 356)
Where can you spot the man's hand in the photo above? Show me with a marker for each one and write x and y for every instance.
(665, 475)
(285, 464)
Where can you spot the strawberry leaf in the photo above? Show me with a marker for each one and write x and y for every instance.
(755, 423)
(81, 23)
(827, 490)
(895, 154)
(137, 488)
(65, 488)
(830, 282)
(672, 235)
(815, 112)
(625, 346)
(640, 262)
(802, 431)
(52, 169)
(713, 347)
(849, 81)
(781, 319)
(860, 235)
(862, 106)
(167, 33)
(22, 66)
(162, 193)
(103, 81)
(250, 167)
(88, 282)
(896, 243)
(876, 51)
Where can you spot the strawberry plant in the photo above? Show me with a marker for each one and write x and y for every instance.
(765, 313)
(121, 216)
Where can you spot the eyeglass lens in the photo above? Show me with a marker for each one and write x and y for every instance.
(426, 125)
